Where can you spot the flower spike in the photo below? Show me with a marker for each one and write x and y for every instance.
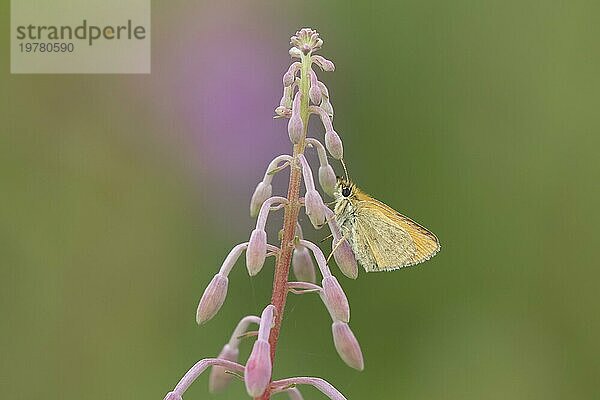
(303, 95)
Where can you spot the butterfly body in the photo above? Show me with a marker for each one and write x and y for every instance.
(381, 238)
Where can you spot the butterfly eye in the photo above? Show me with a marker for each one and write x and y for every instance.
(346, 191)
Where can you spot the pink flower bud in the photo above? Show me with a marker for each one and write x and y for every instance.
(332, 139)
(266, 322)
(306, 40)
(282, 111)
(261, 193)
(334, 144)
(295, 125)
(314, 92)
(315, 208)
(295, 128)
(258, 368)
(286, 98)
(256, 251)
(344, 258)
(173, 396)
(303, 265)
(325, 64)
(295, 52)
(323, 88)
(335, 299)
(212, 299)
(343, 254)
(219, 378)
(327, 107)
(347, 346)
(290, 75)
(288, 79)
(327, 179)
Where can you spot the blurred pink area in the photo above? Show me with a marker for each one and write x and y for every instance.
(216, 78)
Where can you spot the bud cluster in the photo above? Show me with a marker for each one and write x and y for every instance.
(303, 95)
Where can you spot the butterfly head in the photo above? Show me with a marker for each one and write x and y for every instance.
(344, 189)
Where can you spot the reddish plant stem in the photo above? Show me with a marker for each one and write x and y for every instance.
(290, 220)
(282, 267)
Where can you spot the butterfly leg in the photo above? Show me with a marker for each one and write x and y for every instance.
(326, 237)
(336, 246)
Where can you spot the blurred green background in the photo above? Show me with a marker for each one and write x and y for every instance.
(122, 194)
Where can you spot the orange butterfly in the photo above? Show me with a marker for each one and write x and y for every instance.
(382, 239)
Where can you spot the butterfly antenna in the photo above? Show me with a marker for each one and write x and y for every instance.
(345, 170)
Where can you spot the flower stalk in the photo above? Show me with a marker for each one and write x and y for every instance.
(304, 94)
(290, 218)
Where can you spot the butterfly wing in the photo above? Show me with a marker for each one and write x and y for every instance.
(394, 241)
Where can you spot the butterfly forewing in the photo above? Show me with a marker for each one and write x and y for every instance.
(394, 241)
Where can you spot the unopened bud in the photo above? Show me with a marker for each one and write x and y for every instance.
(335, 299)
(219, 378)
(295, 125)
(315, 95)
(295, 128)
(342, 253)
(344, 258)
(327, 107)
(283, 112)
(327, 179)
(323, 88)
(286, 98)
(257, 374)
(314, 92)
(315, 208)
(212, 299)
(303, 265)
(347, 346)
(295, 52)
(325, 64)
(290, 75)
(261, 193)
(256, 251)
(334, 144)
